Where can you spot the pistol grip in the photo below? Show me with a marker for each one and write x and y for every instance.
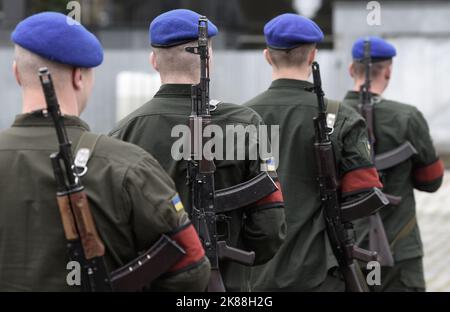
(364, 255)
(234, 254)
(393, 200)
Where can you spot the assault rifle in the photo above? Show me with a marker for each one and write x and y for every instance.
(378, 240)
(339, 217)
(208, 204)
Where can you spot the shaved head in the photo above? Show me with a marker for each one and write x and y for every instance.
(28, 64)
(380, 75)
(175, 62)
(296, 57)
(72, 85)
(377, 69)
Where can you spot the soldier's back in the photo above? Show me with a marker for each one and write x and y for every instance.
(151, 126)
(305, 258)
(33, 253)
(394, 124)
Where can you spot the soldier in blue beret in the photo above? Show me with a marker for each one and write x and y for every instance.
(305, 261)
(395, 123)
(132, 199)
(176, 27)
(259, 227)
(289, 31)
(380, 50)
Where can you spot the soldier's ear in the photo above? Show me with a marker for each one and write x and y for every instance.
(152, 59)
(388, 72)
(267, 57)
(16, 73)
(312, 56)
(351, 70)
(77, 78)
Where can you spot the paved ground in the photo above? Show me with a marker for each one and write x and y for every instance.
(433, 212)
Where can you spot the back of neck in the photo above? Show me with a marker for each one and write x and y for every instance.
(290, 73)
(33, 100)
(375, 87)
(181, 79)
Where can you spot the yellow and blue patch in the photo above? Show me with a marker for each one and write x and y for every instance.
(270, 164)
(176, 202)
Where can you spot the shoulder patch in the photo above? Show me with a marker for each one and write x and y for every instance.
(268, 164)
(176, 202)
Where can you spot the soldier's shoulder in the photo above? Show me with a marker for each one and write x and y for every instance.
(397, 107)
(236, 113)
(401, 111)
(258, 100)
(346, 112)
(120, 152)
(348, 119)
(143, 111)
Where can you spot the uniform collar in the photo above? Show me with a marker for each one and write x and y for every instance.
(40, 119)
(291, 83)
(174, 90)
(354, 95)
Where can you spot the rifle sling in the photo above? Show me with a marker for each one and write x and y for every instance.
(84, 151)
(405, 231)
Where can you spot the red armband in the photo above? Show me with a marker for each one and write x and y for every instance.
(429, 173)
(275, 198)
(360, 179)
(188, 239)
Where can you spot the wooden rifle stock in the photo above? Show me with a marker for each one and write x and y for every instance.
(91, 241)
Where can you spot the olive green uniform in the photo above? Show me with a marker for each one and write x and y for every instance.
(395, 123)
(129, 195)
(261, 228)
(305, 260)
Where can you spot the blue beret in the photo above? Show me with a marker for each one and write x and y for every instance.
(379, 49)
(51, 36)
(177, 27)
(288, 31)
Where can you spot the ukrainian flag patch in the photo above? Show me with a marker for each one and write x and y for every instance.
(268, 164)
(176, 202)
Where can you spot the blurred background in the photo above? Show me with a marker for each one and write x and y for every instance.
(420, 30)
